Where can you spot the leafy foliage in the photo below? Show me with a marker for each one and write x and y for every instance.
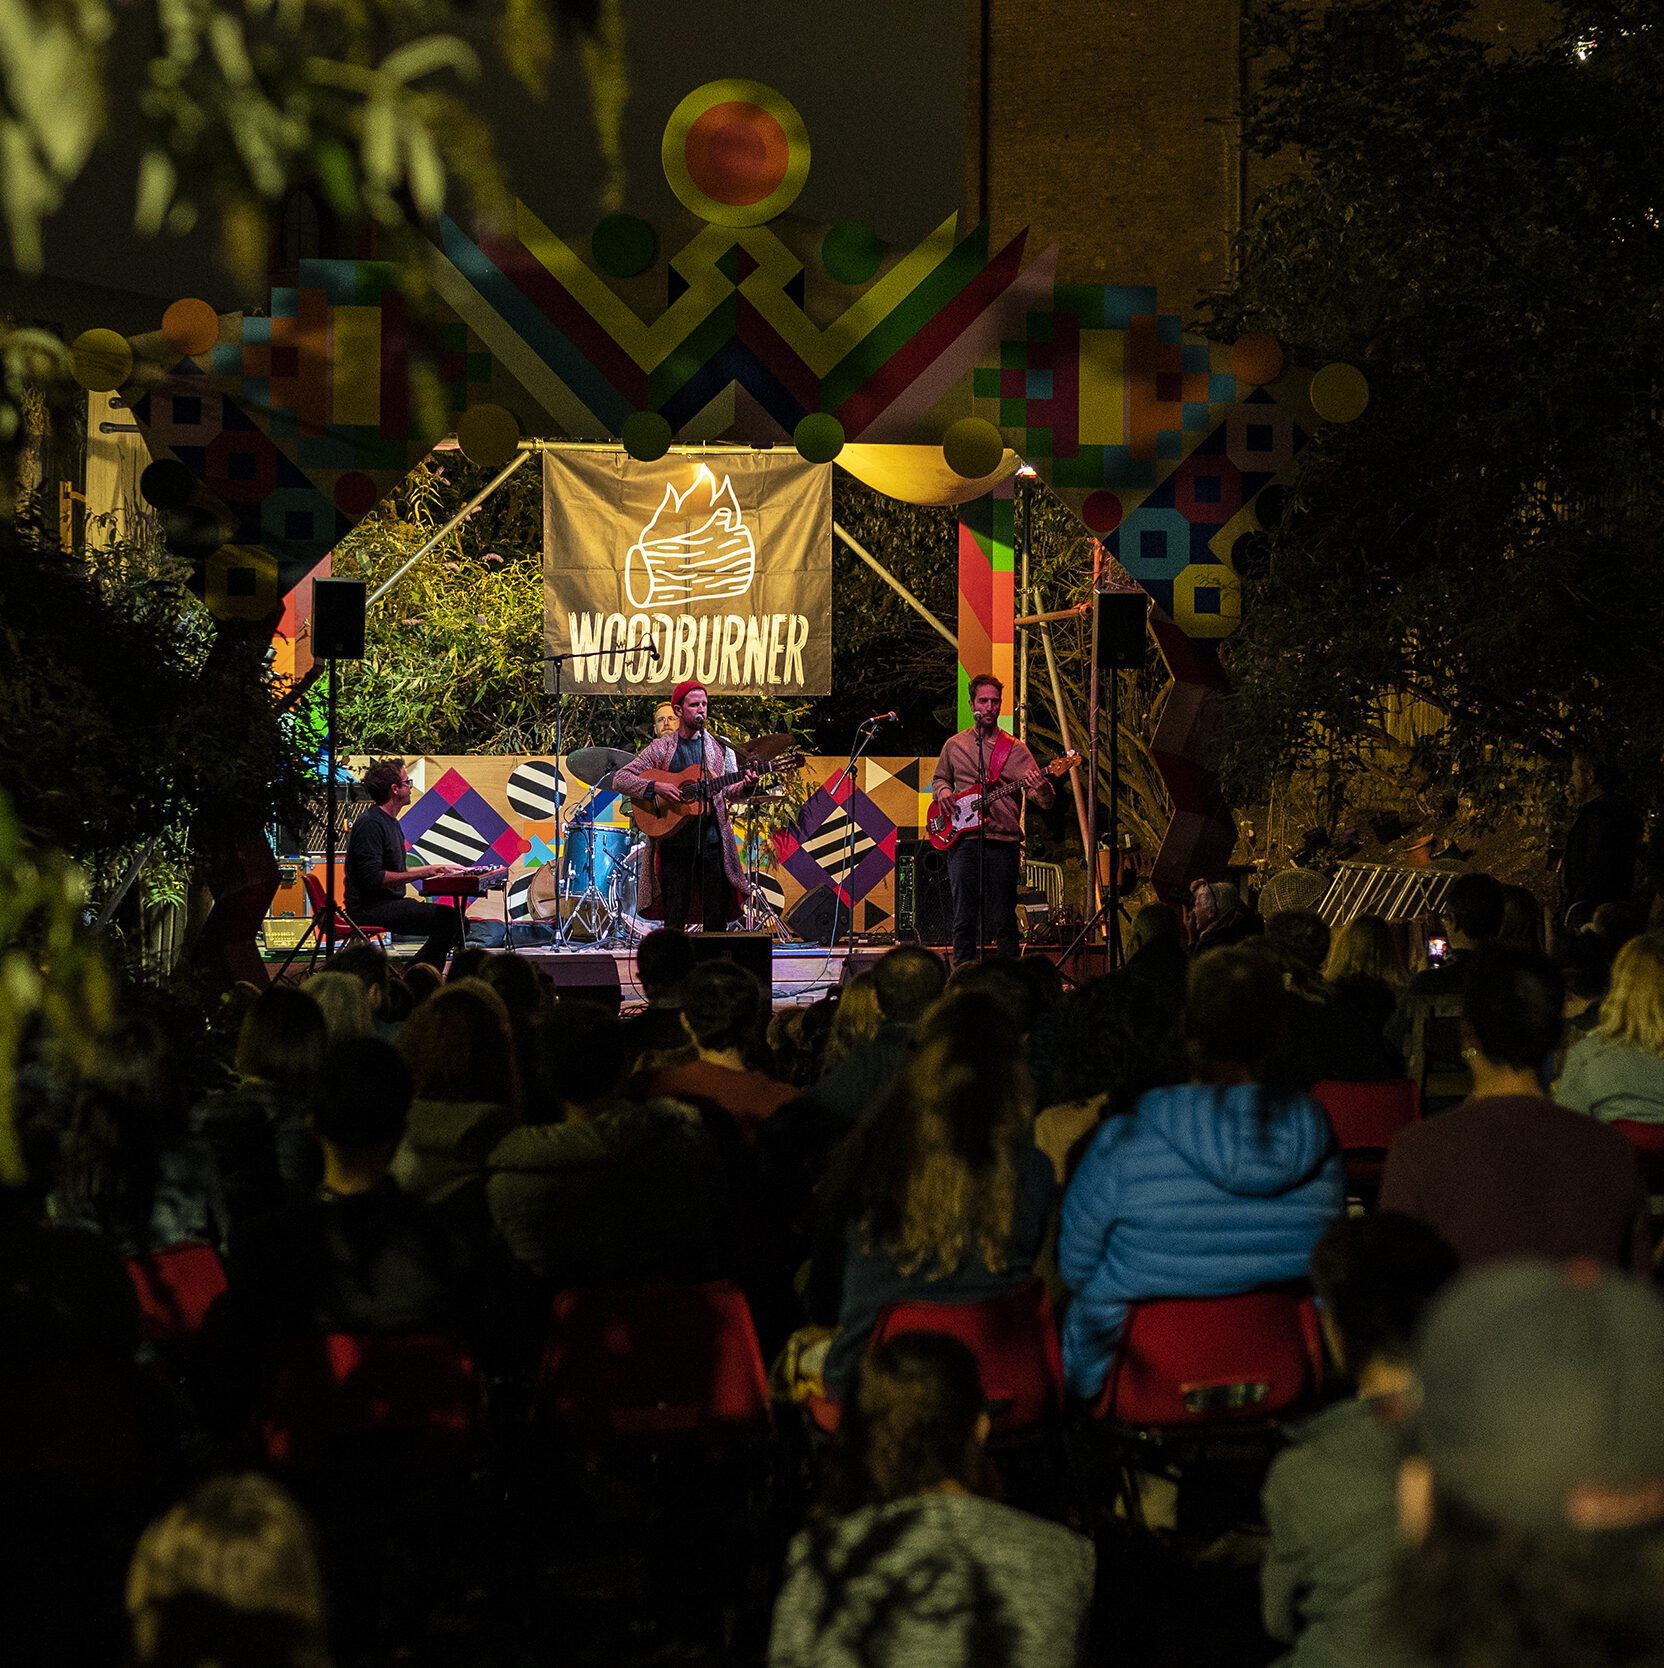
(242, 100)
(1480, 231)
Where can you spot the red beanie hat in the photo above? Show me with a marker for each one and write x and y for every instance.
(684, 689)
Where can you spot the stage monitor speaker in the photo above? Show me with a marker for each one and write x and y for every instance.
(337, 619)
(754, 951)
(932, 895)
(810, 918)
(586, 978)
(1120, 631)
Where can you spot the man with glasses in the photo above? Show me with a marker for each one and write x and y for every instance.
(376, 875)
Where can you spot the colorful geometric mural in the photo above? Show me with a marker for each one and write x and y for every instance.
(762, 329)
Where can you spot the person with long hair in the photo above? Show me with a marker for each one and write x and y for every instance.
(460, 1053)
(1209, 1187)
(1365, 949)
(906, 1558)
(228, 1577)
(1617, 1069)
(856, 1021)
(941, 1194)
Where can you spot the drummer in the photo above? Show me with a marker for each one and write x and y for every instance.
(693, 873)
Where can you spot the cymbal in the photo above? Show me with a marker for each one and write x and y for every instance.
(765, 748)
(593, 766)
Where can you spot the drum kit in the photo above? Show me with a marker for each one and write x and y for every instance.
(600, 862)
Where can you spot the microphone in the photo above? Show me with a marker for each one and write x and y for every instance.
(885, 718)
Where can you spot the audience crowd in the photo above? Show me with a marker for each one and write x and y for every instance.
(1475, 1474)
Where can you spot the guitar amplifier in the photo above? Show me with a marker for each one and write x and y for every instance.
(923, 888)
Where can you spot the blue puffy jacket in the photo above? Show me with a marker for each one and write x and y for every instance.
(1195, 1194)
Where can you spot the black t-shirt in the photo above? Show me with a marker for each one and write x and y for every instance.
(690, 750)
(374, 846)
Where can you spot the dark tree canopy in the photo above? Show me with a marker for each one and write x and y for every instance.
(1478, 228)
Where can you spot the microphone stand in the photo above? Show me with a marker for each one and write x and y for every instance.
(705, 808)
(863, 740)
(558, 661)
(981, 848)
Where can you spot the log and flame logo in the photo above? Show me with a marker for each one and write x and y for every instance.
(674, 561)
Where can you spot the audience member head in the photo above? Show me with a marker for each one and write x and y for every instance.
(421, 979)
(283, 1038)
(856, 1021)
(907, 980)
(458, 1047)
(1233, 1015)
(1002, 979)
(1374, 1276)
(1115, 1036)
(1522, 918)
(1045, 983)
(1512, 1005)
(228, 1577)
(1302, 936)
(932, 1175)
(362, 1102)
(1632, 1015)
(664, 959)
(467, 962)
(791, 1059)
(1534, 1511)
(346, 1009)
(368, 965)
(523, 988)
(1154, 923)
(580, 1058)
(916, 1424)
(381, 779)
(1473, 909)
(1365, 948)
(1614, 924)
(722, 1007)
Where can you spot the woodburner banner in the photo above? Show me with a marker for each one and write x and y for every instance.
(716, 566)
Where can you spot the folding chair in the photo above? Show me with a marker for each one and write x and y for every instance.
(1202, 1379)
(644, 1362)
(345, 926)
(176, 1287)
(1366, 1117)
(1014, 1339)
(1435, 1059)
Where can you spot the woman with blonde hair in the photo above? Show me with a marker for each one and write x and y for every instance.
(856, 1021)
(941, 1193)
(346, 1006)
(1617, 1070)
(1366, 949)
(228, 1577)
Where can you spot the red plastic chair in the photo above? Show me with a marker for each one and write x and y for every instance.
(1648, 1142)
(176, 1287)
(1014, 1339)
(345, 926)
(1192, 1361)
(643, 1362)
(327, 1395)
(1366, 1116)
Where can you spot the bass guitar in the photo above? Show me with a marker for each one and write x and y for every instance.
(949, 820)
(664, 812)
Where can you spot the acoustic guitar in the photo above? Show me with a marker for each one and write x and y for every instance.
(947, 821)
(661, 815)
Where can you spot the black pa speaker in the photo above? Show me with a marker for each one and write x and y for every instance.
(754, 951)
(337, 619)
(1118, 631)
(932, 895)
(810, 918)
(591, 977)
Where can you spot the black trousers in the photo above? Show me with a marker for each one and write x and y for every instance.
(997, 890)
(677, 879)
(438, 923)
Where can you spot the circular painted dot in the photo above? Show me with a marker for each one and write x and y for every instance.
(1257, 358)
(1101, 512)
(973, 448)
(819, 437)
(488, 434)
(101, 359)
(1207, 600)
(165, 484)
(1339, 393)
(356, 493)
(624, 246)
(646, 436)
(737, 154)
(850, 252)
(190, 327)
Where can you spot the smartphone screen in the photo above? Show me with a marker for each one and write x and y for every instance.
(1437, 949)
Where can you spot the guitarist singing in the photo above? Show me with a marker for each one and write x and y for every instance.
(694, 872)
(984, 867)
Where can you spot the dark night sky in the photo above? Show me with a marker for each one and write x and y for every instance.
(879, 83)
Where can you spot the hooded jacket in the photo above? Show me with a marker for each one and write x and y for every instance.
(1199, 1193)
